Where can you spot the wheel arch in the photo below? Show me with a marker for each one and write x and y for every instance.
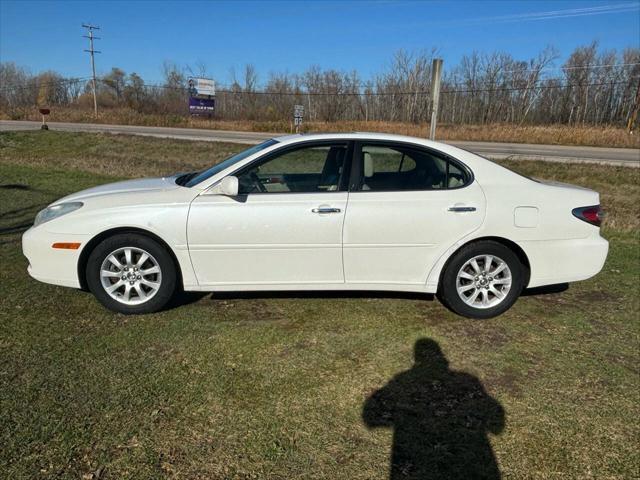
(91, 245)
(510, 244)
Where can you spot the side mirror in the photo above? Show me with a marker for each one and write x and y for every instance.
(227, 186)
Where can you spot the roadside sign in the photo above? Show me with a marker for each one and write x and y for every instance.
(298, 113)
(201, 87)
(201, 106)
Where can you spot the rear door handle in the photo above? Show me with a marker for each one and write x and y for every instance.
(325, 210)
(461, 208)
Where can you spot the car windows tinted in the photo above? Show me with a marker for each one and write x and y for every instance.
(398, 168)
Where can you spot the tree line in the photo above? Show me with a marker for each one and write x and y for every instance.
(591, 86)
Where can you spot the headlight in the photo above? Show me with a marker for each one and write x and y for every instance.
(55, 211)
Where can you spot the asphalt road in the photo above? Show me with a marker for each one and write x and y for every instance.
(554, 153)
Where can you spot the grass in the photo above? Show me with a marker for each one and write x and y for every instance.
(599, 136)
(276, 386)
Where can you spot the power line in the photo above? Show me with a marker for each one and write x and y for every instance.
(414, 92)
(462, 83)
(227, 88)
(538, 87)
(35, 84)
(554, 14)
(325, 94)
(577, 67)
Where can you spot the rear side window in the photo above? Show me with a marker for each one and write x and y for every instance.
(399, 168)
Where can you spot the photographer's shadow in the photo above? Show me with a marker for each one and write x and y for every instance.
(440, 420)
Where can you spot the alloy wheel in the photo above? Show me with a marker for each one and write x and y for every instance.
(484, 281)
(130, 275)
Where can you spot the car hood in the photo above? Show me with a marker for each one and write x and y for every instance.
(128, 186)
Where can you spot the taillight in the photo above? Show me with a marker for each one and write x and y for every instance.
(592, 214)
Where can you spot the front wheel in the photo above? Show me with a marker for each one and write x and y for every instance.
(482, 280)
(130, 273)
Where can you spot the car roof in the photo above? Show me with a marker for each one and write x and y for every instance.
(301, 137)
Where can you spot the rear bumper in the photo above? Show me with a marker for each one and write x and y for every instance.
(50, 265)
(562, 261)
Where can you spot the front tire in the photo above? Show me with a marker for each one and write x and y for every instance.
(482, 280)
(131, 274)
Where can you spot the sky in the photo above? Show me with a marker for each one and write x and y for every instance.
(290, 36)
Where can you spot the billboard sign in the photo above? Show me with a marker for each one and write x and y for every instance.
(202, 87)
(201, 106)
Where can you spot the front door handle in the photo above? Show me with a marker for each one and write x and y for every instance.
(460, 208)
(325, 210)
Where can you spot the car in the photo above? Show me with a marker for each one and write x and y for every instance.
(347, 211)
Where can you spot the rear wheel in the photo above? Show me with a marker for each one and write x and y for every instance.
(131, 273)
(482, 280)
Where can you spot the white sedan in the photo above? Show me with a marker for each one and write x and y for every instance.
(357, 211)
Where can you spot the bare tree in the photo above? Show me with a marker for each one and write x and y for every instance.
(591, 87)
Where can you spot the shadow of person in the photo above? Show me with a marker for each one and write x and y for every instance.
(440, 420)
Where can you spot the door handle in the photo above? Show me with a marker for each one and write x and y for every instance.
(461, 208)
(325, 210)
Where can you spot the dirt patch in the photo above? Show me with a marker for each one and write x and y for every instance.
(626, 361)
(598, 296)
(304, 344)
(434, 318)
(483, 332)
(508, 380)
(552, 300)
(546, 305)
(246, 309)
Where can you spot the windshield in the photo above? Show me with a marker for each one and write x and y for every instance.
(210, 172)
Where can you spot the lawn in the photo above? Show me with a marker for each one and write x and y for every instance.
(310, 385)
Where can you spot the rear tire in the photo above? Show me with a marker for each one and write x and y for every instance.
(131, 274)
(482, 280)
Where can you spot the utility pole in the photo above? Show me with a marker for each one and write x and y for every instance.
(90, 29)
(436, 76)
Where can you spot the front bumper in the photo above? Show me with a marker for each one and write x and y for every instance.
(51, 265)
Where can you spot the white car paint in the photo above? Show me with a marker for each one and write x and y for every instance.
(385, 233)
(268, 240)
(378, 241)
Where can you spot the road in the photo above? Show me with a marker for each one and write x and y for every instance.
(628, 157)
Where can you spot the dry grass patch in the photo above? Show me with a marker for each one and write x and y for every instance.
(601, 136)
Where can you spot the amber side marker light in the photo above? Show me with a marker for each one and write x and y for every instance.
(66, 245)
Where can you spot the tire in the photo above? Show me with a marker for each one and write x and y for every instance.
(145, 283)
(501, 285)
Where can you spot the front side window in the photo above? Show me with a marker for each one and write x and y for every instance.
(399, 167)
(210, 172)
(309, 169)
